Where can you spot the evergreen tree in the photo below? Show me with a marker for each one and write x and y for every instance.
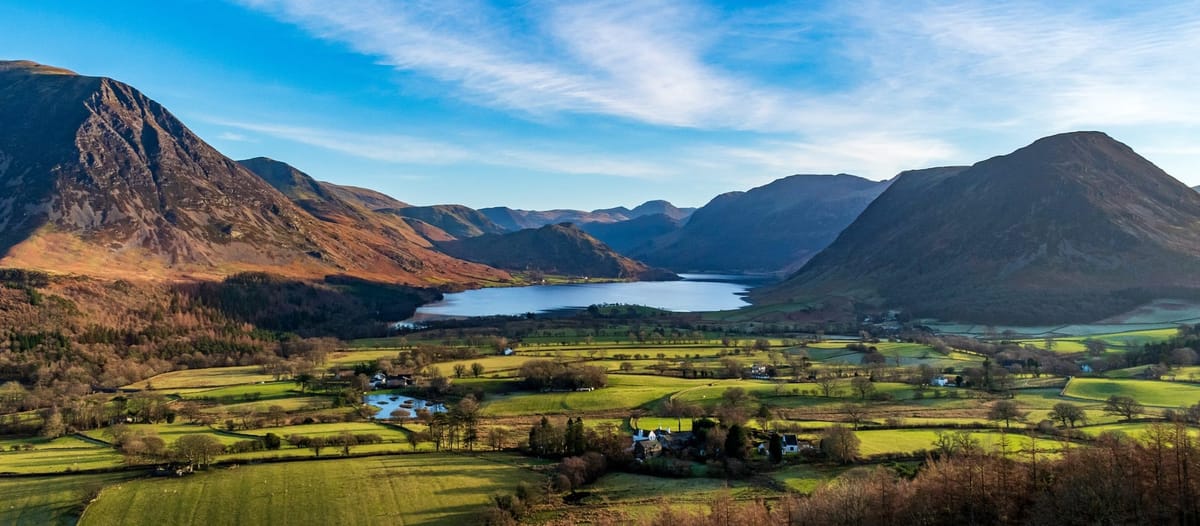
(775, 448)
(735, 442)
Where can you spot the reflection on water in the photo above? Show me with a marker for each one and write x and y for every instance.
(696, 292)
(387, 403)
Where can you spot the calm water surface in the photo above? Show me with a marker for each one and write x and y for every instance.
(697, 292)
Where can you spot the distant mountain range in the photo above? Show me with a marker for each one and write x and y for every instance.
(771, 228)
(552, 249)
(99, 180)
(512, 219)
(1071, 228)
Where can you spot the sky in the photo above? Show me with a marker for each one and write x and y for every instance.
(588, 105)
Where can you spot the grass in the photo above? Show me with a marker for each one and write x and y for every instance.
(406, 489)
(1147, 392)
(884, 441)
(50, 500)
(806, 478)
(212, 377)
(384, 432)
(247, 393)
(58, 456)
(623, 393)
(631, 497)
(170, 433)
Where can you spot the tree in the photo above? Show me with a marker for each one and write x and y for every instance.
(736, 442)
(863, 385)
(840, 444)
(827, 383)
(477, 369)
(1122, 405)
(197, 450)
(53, 425)
(855, 413)
(1094, 347)
(626, 367)
(1068, 414)
(734, 396)
(460, 370)
(276, 414)
(1006, 410)
(467, 412)
(775, 448)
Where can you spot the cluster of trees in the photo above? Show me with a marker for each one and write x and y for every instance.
(1118, 480)
(342, 441)
(145, 447)
(549, 374)
(456, 428)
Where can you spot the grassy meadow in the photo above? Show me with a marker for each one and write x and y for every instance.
(407, 489)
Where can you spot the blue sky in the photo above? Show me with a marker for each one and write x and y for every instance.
(596, 104)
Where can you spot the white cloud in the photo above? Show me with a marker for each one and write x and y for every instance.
(378, 147)
(404, 149)
(231, 136)
(908, 81)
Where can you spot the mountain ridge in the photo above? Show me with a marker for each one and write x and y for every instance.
(101, 180)
(1070, 228)
(770, 228)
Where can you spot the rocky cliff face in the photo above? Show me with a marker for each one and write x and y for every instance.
(99, 179)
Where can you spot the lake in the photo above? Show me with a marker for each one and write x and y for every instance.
(390, 402)
(696, 292)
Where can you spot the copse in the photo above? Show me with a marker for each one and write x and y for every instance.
(548, 374)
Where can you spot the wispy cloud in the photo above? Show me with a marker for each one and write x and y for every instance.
(409, 150)
(880, 86)
(231, 136)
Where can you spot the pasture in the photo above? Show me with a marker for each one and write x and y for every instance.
(1147, 392)
(211, 377)
(58, 456)
(51, 501)
(405, 489)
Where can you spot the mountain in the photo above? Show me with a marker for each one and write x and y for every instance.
(513, 219)
(561, 249)
(455, 220)
(661, 207)
(1071, 228)
(364, 197)
(100, 180)
(770, 228)
(628, 236)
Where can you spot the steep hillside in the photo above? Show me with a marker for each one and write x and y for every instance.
(1071, 228)
(561, 249)
(628, 236)
(98, 179)
(455, 220)
(767, 229)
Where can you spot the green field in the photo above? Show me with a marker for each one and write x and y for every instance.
(627, 496)
(406, 489)
(214, 377)
(877, 442)
(1147, 392)
(58, 456)
(624, 392)
(50, 500)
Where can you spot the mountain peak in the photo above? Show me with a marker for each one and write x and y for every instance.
(1071, 228)
(29, 66)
